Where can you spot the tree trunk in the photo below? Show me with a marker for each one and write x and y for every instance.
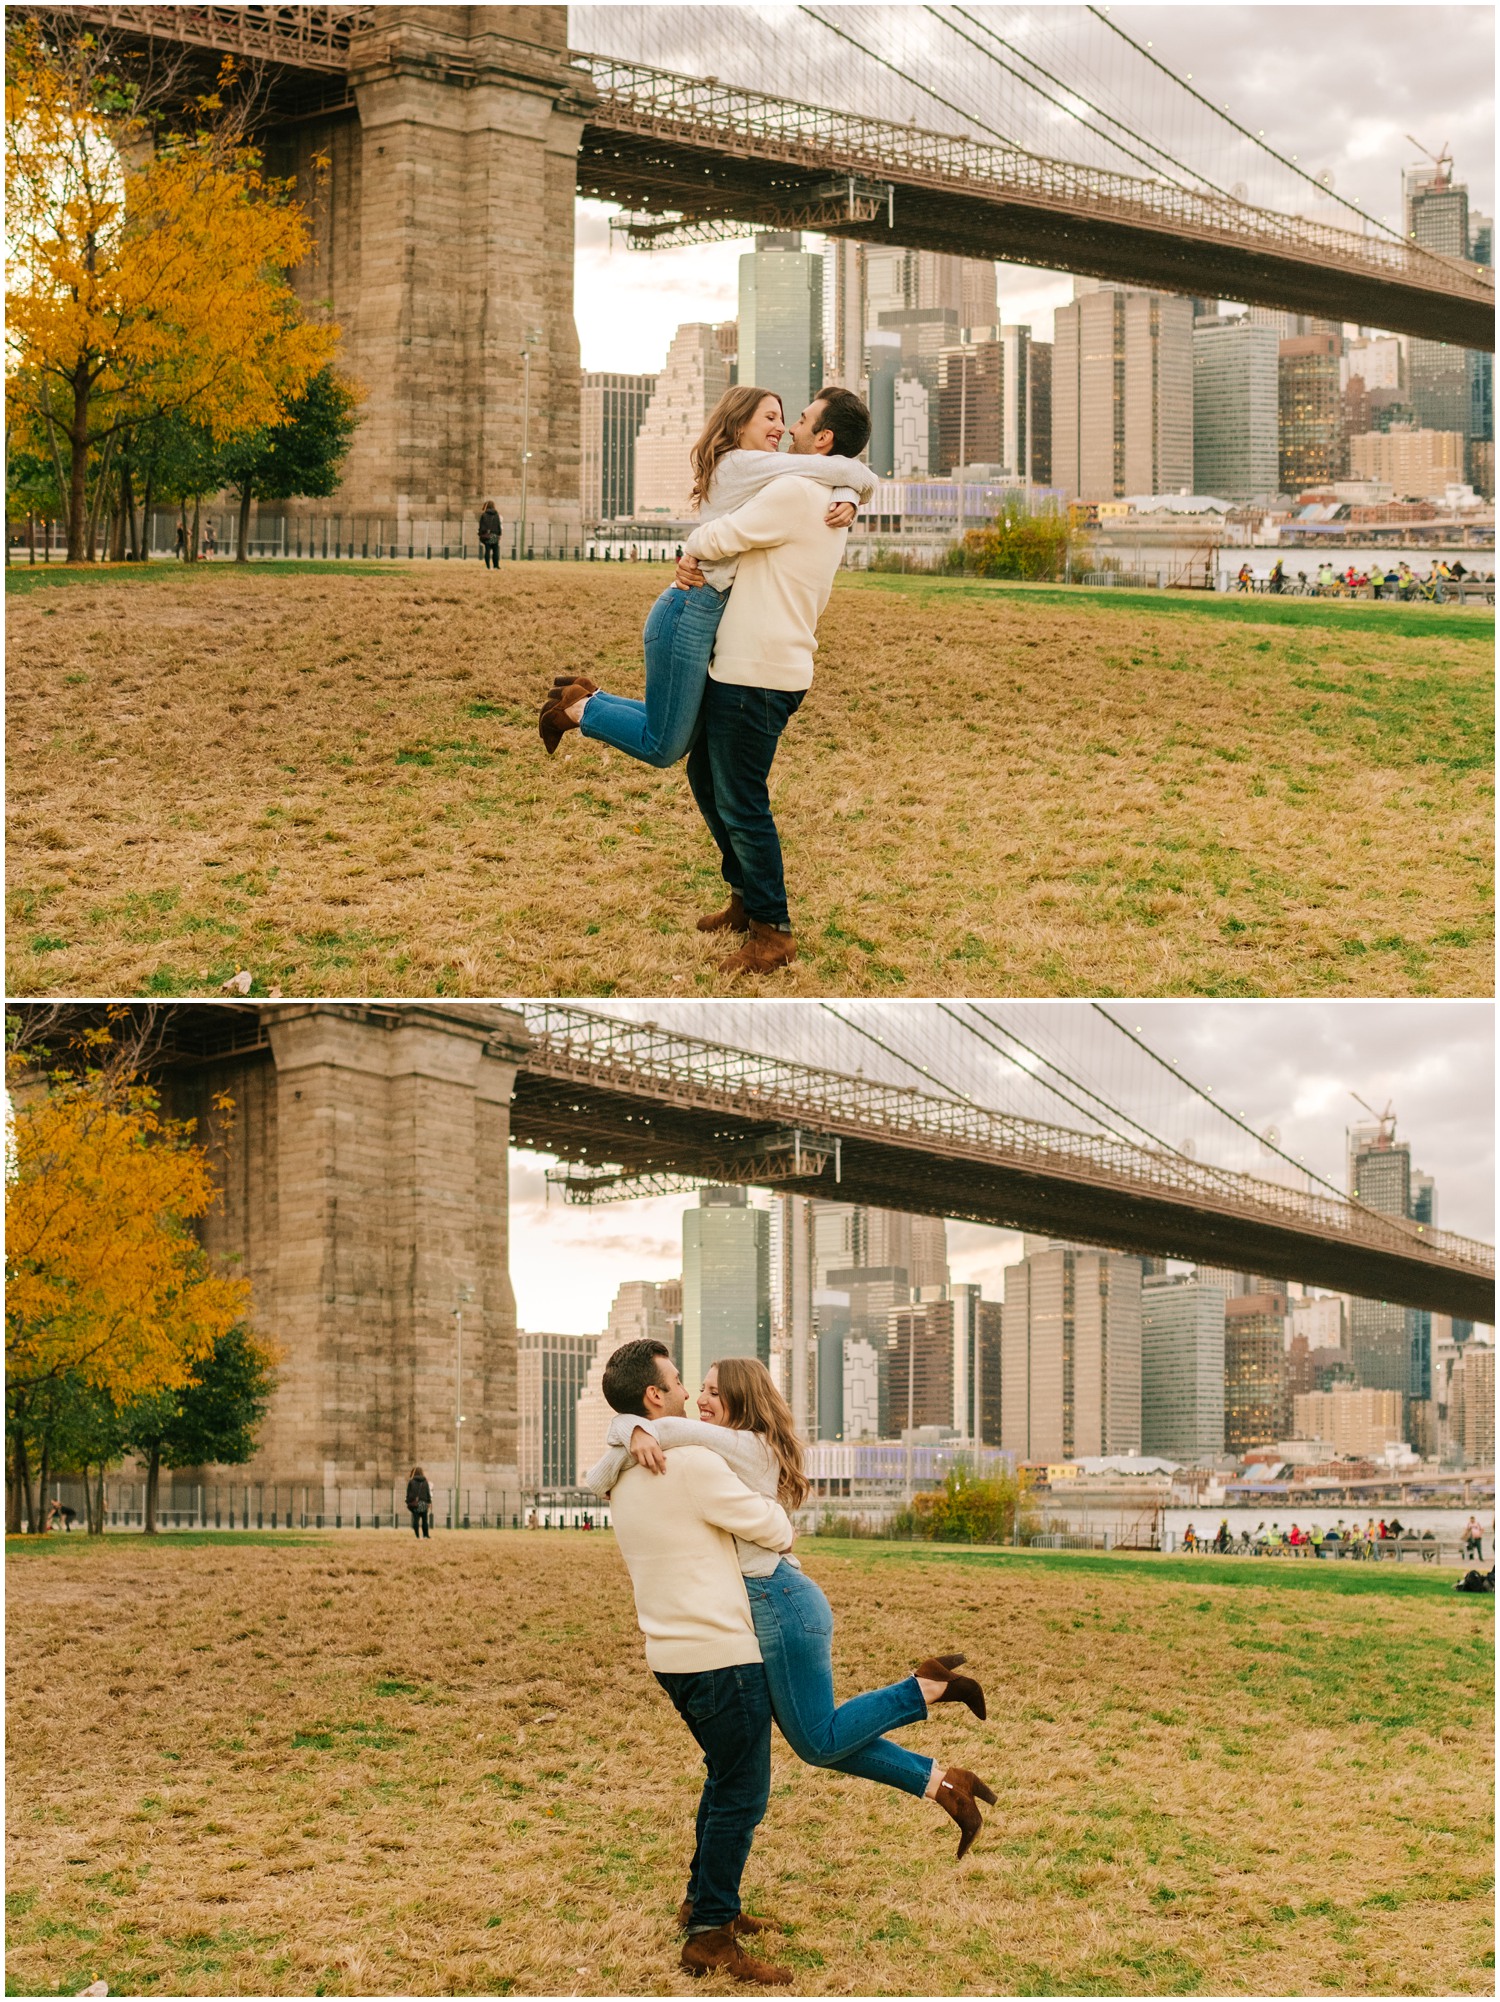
(31, 536)
(40, 1523)
(146, 499)
(153, 1488)
(193, 539)
(101, 490)
(18, 1501)
(127, 508)
(240, 555)
(78, 473)
(94, 1501)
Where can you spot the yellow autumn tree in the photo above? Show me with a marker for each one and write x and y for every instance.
(106, 1282)
(145, 268)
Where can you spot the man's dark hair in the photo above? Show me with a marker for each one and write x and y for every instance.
(630, 1373)
(846, 417)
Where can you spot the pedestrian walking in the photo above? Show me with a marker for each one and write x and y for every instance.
(419, 1501)
(490, 529)
(1473, 1540)
(181, 542)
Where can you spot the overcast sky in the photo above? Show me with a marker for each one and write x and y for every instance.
(1287, 1064)
(1340, 87)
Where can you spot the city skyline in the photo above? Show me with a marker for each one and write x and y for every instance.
(1358, 95)
(1291, 1064)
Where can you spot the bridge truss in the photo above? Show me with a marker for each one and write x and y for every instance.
(634, 1109)
(690, 158)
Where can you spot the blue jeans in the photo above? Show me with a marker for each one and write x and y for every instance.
(794, 1625)
(728, 1711)
(678, 639)
(727, 769)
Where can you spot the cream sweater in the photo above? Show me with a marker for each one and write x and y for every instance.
(676, 1532)
(789, 556)
(740, 475)
(745, 1452)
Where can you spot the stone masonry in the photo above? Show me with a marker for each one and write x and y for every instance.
(442, 217)
(364, 1169)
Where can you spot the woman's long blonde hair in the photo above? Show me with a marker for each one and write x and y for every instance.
(721, 433)
(752, 1403)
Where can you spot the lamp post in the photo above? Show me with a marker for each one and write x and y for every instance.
(465, 1294)
(532, 338)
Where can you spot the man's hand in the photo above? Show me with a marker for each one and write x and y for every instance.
(689, 574)
(841, 514)
(646, 1453)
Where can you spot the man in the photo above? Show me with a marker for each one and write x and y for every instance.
(761, 669)
(676, 1533)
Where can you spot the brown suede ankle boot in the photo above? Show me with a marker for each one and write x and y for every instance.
(576, 681)
(731, 918)
(555, 722)
(764, 950)
(957, 1794)
(706, 1952)
(956, 1688)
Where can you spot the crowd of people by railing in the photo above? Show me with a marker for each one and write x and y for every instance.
(1378, 1538)
(1442, 581)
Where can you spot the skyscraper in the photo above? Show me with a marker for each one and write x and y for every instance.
(781, 319)
(971, 401)
(843, 312)
(1016, 400)
(1390, 1346)
(612, 408)
(1257, 1406)
(1182, 1369)
(1310, 424)
(1070, 1347)
(1437, 218)
(693, 378)
(1039, 364)
(551, 1371)
(726, 1281)
(1234, 410)
(1122, 394)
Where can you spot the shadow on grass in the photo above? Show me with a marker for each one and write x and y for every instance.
(1475, 622)
(1342, 1575)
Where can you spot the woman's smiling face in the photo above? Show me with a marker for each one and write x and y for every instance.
(710, 1404)
(763, 432)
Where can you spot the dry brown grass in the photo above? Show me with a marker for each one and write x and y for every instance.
(356, 1764)
(335, 781)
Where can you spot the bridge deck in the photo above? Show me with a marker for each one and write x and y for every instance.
(599, 1090)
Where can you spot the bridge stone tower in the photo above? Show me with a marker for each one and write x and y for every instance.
(442, 213)
(364, 1169)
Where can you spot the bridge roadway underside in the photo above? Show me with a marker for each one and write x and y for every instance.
(705, 179)
(586, 1122)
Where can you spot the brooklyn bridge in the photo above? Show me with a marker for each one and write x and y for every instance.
(363, 1154)
(441, 148)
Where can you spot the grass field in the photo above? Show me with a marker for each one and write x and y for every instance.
(331, 777)
(355, 1764)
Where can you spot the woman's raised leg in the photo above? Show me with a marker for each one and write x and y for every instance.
(678, 641)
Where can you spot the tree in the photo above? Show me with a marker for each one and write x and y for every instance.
(1017, 543)
(970, 1509)
(211, 1420)
(146, 270)
(106, 1281)
(303, 454)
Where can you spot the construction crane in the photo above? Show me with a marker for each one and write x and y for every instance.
(1385, 1121)
(1442, 161)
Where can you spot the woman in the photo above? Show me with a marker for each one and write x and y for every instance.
(419, 1502)
(489, 535)
(747, 1421)
(733, 459)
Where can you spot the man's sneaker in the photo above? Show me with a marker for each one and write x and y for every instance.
(731, 918)
(708, 1952)
(764, 950)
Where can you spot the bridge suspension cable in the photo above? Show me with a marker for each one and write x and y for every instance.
(1324, 188)
(910, 1062)
(926, 89)
(1151, 166)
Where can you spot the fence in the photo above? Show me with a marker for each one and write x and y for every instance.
(259, 1505)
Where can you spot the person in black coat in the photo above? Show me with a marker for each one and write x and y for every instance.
(419, 1501)
(490, 526)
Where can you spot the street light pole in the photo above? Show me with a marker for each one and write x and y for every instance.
(531, 341)
(464, 1294)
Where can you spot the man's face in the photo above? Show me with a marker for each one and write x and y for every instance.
(667, 1397)
(806, 434)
